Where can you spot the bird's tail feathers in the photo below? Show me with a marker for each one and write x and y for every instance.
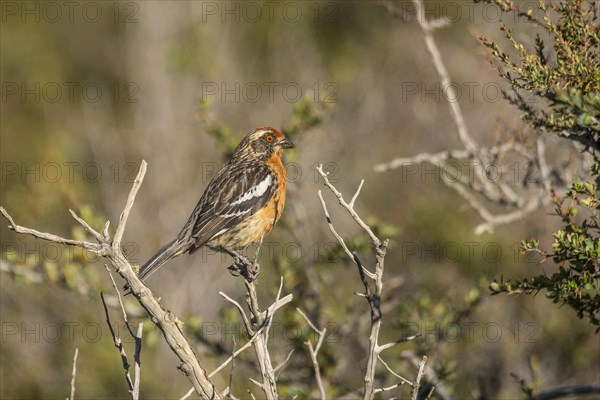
(168, 251)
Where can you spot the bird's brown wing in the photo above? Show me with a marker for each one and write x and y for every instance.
(235, 193)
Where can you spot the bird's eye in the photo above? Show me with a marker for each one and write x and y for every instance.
(269, 138)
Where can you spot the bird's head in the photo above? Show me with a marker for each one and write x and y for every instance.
(262, 144)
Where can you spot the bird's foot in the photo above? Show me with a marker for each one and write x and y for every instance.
(243, 266)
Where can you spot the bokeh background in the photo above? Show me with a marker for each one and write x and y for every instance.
(92, 88)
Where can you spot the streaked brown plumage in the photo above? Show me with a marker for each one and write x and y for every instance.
(240, 205)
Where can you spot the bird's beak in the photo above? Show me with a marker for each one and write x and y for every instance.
(286, 144)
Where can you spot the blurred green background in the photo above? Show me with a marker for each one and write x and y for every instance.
(89, 89)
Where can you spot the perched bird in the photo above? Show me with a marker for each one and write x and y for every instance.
(241, 204)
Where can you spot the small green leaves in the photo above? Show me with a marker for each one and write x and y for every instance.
(576, 251)
(568, 75)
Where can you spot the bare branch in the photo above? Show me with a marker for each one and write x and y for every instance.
(497, 192)
(105, 233)
(362, 272)
(236, 353)
(494, 220)
(391, 371)
(188, 394)
(137, 183)
(339, 237)
(258, 328)
(329, 223)
(385, 389)
(124, 313)
(430, 393)
(137, 366)
(440, 67)
(401, 340)
(541, 158)
(348, 207)
(441, 390)
(257, 383)
(166, 321)
(313, 356)
(74, 374)
(87, 227)
(438, 23)
(356, 194)
(417, 382)
(119, 345)
(134, 387)
(281, 366)
(373, 297)
(435, 159)
(232, 368)
(239, 307)
(279, 302)
(490, 219)
(308, 321)
(313, 352)
(93, 247)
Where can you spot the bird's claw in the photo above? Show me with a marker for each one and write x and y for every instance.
(244, 267)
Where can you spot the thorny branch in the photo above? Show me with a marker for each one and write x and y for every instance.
(166, 321)
(373, 296)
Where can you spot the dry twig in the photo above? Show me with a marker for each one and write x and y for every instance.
(258, 326)
(479, 184)
(74, 374)
(314, 351)
(373, 296)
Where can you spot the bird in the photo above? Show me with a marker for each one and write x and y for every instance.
(240, 205)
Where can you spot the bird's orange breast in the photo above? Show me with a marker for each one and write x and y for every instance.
(275, 164)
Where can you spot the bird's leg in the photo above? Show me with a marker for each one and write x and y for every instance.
(254, 267)
(242, 266)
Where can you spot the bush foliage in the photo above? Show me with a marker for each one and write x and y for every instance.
(566, 81)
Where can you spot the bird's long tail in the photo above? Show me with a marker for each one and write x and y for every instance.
(168, 251)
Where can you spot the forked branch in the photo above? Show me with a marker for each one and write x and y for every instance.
(373, 296)
(165, 320)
